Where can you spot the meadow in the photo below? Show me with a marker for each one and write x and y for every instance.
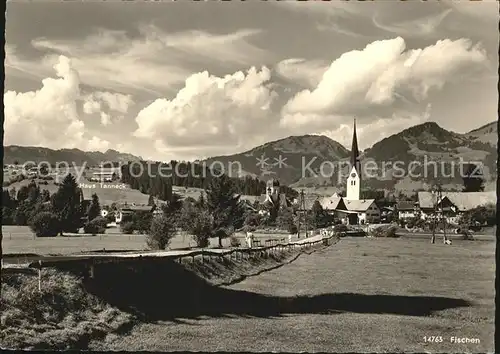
(359, 295)
(20, 240)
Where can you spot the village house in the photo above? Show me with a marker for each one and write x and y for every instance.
(125, 211)
(106, 176)
(363, 211)
(407, 209)
(453, 204)
(334, 205)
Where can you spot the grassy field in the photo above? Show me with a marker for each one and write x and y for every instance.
(360, 295)
(20, 239)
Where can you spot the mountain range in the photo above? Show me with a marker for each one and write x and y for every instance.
(22, 154)
(314, 160)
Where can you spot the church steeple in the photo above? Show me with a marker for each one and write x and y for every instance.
(354, 150)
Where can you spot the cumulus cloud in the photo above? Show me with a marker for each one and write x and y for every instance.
(107, 103)
(210, 110)
(49, 116)
(380, 78)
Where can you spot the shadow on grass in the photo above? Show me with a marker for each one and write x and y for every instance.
(167, 291)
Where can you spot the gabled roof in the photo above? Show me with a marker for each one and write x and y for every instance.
(405, 205)
(462, 200)
(335, 202)
(136, 208)
(358, 205)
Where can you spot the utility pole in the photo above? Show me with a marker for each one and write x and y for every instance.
(438, 211)
(302, 209)
(305, 211)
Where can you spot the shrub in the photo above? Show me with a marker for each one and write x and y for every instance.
(201, 228)
(234, 241)
(127, 227)
(161, 232)
(293, 229)
(96, 226)
(45, 224)
(384, 231)
(340, 228)
(142, 221)
(110, 217)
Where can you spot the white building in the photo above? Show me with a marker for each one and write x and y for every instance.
(358, 210)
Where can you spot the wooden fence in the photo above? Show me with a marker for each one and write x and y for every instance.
(89, 261)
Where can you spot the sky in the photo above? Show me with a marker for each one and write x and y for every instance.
(187, 80)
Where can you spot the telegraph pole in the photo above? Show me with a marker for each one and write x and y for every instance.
(302, 209)
(438, 212)
(305, 211)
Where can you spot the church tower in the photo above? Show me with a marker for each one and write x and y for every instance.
(354, 179)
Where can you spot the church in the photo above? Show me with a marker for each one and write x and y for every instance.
(353, 209)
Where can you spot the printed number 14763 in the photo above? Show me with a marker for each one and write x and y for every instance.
(433, 339)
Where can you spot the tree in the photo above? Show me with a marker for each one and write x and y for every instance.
(173, 205)
(201, 201)
(66, 204)
(473, 179)
(224, 205)
(45, 224)
(161, 232)
(94, 209)
(318, 215)
(142, 221)
(252, 221)
(286, 221)
(200, 227)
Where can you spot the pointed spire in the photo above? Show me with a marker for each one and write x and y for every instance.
(354, 149)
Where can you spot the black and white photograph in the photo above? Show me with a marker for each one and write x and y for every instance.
(250, 176)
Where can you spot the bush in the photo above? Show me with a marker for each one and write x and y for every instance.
(234, 241)
(142, 221)
(110, 217)
(161, 232)
(45, 224)
(384, 231)
(201, 228)
(340, 228)
(96, 226)
(127, 227)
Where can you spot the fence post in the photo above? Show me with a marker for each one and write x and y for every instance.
(40, 276)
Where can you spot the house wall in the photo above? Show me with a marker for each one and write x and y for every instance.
(372, 215)
(407, 214)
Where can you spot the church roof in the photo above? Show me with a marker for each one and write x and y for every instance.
(358, 205)
(355, 150)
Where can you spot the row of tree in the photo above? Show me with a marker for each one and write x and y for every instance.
(158, 178)
(51, 215)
